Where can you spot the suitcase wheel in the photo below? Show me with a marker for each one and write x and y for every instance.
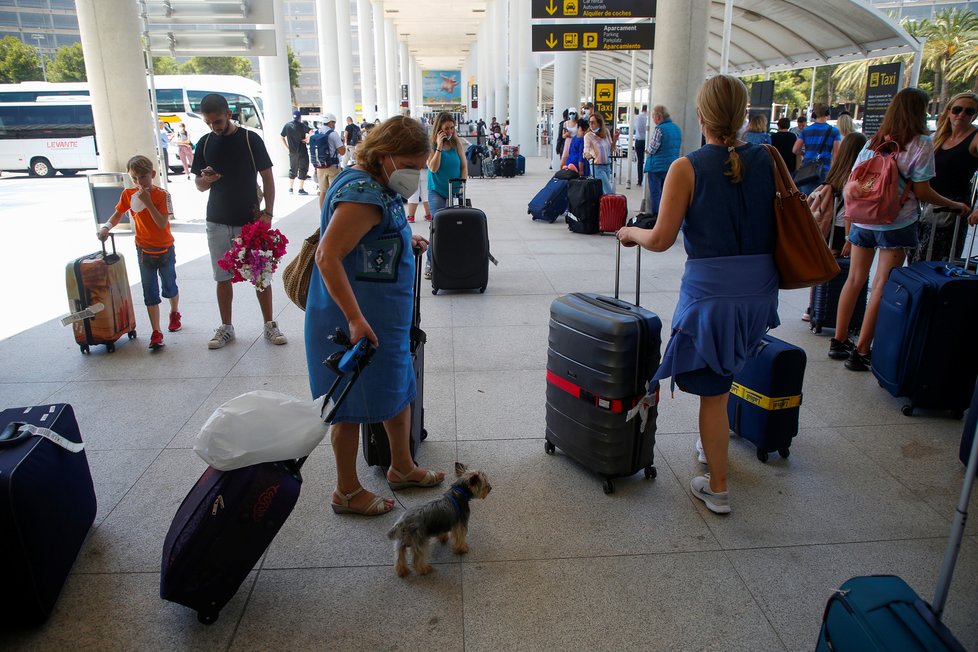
(784, 453)
(424, 434)
(207, 617)
(110, 347)
(132, 335)
(84, 348)
(907, 410)
(816, 328)
(608, 486)
(650, 472)
(762, 455)
(549, 448)
(482, 290)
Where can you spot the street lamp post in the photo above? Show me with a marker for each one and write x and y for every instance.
(39, 38)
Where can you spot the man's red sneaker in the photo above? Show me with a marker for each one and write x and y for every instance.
(156, 340)
(175, 324)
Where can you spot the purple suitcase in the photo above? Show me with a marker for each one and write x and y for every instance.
(229, 518)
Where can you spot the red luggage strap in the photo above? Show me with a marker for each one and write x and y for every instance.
(614, 405)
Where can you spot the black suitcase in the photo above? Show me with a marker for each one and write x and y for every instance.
(506, 167)
(47, 505)
(601, 354)
(460, 254)
(376, 447)
(824, 302)
(882, 612)
(229, 518)
(765, 399)
(583, 205)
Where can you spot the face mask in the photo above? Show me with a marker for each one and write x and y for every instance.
(403, 182)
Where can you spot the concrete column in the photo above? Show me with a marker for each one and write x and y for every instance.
(501, 31)
(490, 60)
(527, 112)
(513, 71)
(464, 73)
(329, 57)
(124, 124)
(405, 62)
(567, 88)
(680, 62)
(344, 47)
(274, 73)
(480, 72)
(415, 77)
(380, 60)
(368, 66)
(393, 77)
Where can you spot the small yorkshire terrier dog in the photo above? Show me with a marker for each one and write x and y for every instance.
(448, 514)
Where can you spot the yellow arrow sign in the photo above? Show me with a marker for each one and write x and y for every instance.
(551, 42)
(551, 8)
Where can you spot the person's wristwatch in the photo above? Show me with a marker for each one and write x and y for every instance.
(265, 212)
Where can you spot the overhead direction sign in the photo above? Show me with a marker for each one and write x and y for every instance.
(584, 36)
(593, 8)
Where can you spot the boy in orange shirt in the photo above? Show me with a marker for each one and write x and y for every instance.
(150, 210)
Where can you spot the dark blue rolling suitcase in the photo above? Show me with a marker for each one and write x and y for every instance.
(882, 612)
(601, 353)
(969, 429)
(926, 319)
(47, 505)
(229, 518)
(520, 165)
(766, 396)
(550, 203)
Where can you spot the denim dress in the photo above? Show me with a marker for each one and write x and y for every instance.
(381, 272)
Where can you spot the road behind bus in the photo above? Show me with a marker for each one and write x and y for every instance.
(48, 222)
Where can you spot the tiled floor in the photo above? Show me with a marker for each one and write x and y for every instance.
(555, 564)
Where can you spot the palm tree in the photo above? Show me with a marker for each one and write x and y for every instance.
(965, 64)
(851, 77)
(950, 32)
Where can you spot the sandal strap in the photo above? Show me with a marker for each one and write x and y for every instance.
(345, 498)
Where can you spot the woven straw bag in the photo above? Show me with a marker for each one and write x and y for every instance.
(298, 273)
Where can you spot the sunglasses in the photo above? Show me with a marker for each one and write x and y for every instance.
(968, 110)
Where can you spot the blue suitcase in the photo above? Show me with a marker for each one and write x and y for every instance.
(969, 429)
(520, 164)
(881, 612)
(550, 203)
(926, 319)
(766, 397)
(47, 505)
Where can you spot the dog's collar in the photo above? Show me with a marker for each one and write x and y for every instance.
(456, 493)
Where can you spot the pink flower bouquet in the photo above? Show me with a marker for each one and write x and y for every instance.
(254, 254)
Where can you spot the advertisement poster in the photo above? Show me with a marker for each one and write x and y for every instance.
(441, 86)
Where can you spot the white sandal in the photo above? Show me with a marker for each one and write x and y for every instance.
(429, 480)
(375, 508)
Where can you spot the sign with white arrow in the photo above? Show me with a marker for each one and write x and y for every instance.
(588, 36)
(593, 8)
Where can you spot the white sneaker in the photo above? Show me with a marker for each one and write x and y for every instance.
(718, 503)
(273, 334)
(222, 336)
(700, 454)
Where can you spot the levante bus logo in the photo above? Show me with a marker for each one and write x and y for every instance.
(62, 144)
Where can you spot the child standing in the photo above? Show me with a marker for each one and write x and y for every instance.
(150, 210)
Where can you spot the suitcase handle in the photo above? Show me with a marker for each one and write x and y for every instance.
(638, 268)
(461, 194)
(13, 434)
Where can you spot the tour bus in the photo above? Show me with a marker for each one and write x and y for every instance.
(48, 127)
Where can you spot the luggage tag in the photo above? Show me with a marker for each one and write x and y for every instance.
(17, 431)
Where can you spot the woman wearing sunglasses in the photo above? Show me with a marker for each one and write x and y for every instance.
(956, 158)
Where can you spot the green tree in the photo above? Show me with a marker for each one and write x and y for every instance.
(952, 31)
(18, 61)
(165, 66)
(218, 66)
(295, 67)
(68, 64)
(965, 65)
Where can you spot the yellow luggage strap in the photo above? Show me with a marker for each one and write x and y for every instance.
(765, 402)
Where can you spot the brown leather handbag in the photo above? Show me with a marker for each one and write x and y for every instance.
(800, 253)
(298, 273)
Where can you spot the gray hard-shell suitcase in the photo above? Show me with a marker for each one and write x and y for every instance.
(602, 352)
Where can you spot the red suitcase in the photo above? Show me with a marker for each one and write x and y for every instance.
(99, 299)
(612, 213)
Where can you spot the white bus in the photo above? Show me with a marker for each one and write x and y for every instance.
(48, 127)
(50, 135)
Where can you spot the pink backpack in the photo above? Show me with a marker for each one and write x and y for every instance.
(872, 193)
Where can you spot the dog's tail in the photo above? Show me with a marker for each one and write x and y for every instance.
(396, 531)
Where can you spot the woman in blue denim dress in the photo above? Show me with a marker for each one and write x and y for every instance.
(363, 283)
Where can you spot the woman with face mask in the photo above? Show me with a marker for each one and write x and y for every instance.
(363, 283)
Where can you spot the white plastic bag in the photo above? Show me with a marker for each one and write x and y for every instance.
(258, 427)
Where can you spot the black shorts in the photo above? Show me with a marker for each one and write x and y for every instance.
(298, 164)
